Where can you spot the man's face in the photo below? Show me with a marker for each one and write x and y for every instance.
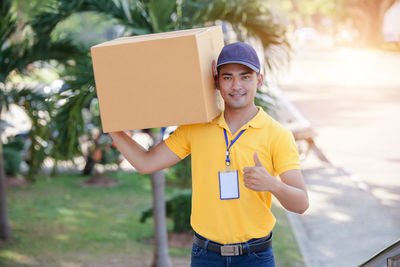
(238, 85)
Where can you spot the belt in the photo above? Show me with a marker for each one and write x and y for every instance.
(255, 245)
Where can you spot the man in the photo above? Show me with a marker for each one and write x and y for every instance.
(235, 161)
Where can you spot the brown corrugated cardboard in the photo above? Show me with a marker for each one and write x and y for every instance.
(157, 80)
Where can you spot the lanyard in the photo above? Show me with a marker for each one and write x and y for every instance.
(228, 160)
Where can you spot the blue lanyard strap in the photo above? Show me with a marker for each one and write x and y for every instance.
(228, 160)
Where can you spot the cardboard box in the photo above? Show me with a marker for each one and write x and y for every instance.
(157, 80)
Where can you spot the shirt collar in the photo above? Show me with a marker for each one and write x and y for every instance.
(258, 121)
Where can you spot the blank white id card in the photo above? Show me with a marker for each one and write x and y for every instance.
(228, 184)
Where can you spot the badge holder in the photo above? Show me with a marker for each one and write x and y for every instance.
(229, 180)
(228, 183)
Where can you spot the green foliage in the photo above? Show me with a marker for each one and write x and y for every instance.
(110, 155)
(15, 144)
(28, 9)
(266, 101)
(286, 249)
(178, 209)
(12, 161)
(180, 174)
(9, 53)
(17, 51)
(87, 28)
(70, 124)
(160, 12)
(249, 18)
(21, 47)
(122, 11)
(38, 108)
(12, 156)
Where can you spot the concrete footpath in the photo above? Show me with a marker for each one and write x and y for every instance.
(344, 225)
(352, 98)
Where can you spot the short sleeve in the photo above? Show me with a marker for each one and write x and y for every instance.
(179, 141)
(285, 155)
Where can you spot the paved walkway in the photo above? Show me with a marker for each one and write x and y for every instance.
(352, 98)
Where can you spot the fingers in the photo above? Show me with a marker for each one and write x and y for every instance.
(248, 180)
(257, 161)
(252, 178)
(248, 170)
(251, 184)
(248, 183)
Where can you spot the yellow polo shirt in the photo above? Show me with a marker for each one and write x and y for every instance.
(233, 220)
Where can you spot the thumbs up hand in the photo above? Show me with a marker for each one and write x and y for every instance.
(257, 178)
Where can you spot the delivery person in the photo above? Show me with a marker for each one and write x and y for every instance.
(236, 159)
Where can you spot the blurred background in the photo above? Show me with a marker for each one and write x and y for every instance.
(68, 198)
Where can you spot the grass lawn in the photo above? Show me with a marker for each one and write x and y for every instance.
(56, 222)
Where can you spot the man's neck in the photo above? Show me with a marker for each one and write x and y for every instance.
(236, 118)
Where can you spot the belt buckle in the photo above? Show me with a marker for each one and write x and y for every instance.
(234, 250)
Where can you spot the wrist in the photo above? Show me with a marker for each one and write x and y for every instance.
(275, 185)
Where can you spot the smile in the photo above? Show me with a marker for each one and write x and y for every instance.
(237, 94)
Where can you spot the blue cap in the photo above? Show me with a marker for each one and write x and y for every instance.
(240, 53)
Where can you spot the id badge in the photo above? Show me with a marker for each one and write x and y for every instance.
(228, 184)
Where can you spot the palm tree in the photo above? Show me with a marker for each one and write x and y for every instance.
(10, 56)
(9, 60)
(248, 18)
(18, 51)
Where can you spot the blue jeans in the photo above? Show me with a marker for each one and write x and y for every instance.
(206, 258)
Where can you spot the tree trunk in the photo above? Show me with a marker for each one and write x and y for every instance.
(368, 17)
(375, 13)
(88, 169)
(5, 232)
(161, 258)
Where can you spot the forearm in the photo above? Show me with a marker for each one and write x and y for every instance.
(291, 198)
(290, 190)
(157, 158)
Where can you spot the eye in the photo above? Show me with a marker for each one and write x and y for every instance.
(226, 78)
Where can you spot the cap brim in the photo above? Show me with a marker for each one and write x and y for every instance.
(241, 62)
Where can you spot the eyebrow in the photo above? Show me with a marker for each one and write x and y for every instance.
(230, 74)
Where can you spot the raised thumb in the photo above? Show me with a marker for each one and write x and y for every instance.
(257, 161)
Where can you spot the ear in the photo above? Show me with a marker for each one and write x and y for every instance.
(260, 80)
(215, 74)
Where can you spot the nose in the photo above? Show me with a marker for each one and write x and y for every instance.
(236, 83)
